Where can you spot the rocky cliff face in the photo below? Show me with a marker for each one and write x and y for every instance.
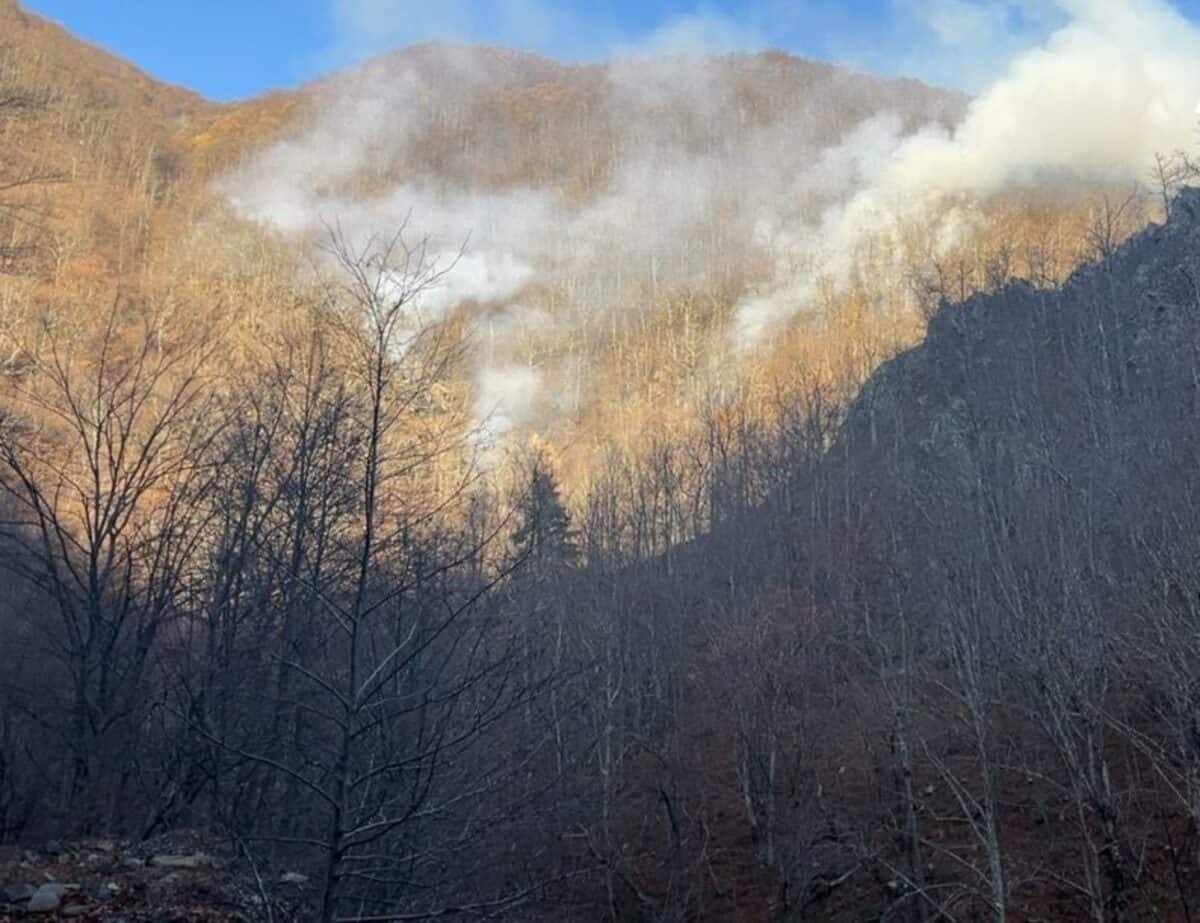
(1093, 379)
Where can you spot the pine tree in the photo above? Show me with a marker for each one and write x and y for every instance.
(543, 536)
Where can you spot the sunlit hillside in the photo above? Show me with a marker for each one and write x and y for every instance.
(632, 234)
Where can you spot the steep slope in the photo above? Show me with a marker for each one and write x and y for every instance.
(105, 81)
(83, 161)
(1090, 383)
(482, 119)
(951, 658)
(1011, 540)
(624, 218)
(617, 212)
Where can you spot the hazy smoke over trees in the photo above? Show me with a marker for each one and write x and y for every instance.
(591, 190)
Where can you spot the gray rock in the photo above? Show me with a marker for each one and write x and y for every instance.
(16, 894)
(165, 885)
(46, 898)
(194, 861)
(108, 890)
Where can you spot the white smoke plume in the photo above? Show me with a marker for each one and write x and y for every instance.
(1096, 101)
(505, 397)
(1106, 85)
(1099, 98)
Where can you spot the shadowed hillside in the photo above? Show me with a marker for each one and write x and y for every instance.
(942, 669)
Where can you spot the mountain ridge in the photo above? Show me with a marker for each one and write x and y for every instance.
(71, 52)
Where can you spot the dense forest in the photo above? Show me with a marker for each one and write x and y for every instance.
(891, 617)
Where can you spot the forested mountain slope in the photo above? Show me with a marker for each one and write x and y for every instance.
(614, 214)
(645, 239)
(85, 136)
(618, 565)
(955, 652)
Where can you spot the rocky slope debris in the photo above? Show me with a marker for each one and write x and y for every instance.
(171, 879)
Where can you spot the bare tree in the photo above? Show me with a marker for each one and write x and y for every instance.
(103, 454)
(1170, 174)
(23, 217)
(413, 672)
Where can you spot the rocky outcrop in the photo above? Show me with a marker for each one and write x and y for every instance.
(48, 897)
(1056, 372)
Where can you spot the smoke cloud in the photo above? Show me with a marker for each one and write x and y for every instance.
(1118, 83)
(671, 174)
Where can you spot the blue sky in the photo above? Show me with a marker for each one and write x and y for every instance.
(227, 49)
